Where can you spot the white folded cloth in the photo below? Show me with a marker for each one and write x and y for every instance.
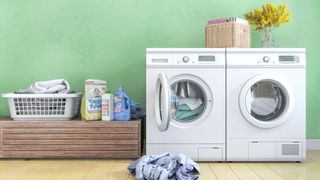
(59, 86)
(192, 103)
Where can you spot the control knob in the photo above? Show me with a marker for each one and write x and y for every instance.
(266, 59)
(185, 59)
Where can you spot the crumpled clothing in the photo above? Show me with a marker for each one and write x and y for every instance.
(59, 86)
(136, 111)
(164, 166)
(183, 173)
(187, 115)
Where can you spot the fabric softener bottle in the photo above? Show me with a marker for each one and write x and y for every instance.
(122, 105)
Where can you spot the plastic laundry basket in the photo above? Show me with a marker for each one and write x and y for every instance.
(43, 106)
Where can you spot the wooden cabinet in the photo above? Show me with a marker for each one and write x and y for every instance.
(70, 139)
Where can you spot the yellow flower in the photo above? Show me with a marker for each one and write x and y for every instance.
(269, 16)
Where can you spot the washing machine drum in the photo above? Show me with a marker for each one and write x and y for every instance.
(267, 101)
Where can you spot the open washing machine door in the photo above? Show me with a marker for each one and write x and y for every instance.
(266, 101)
(185, 101)
(162, 102)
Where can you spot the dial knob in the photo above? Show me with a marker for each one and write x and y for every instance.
(185, 59)
(266, 59)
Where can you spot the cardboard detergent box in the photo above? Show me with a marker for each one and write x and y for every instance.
(91, 101)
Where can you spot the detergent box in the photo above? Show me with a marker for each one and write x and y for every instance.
(91, 101)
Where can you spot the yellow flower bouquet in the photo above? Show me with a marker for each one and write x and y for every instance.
(268, 17)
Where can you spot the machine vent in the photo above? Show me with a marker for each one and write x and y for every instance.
(290, 149)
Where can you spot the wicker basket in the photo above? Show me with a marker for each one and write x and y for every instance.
(229, 34)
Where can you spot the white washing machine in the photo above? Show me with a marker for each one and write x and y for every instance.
(186, 102)
(266, 105)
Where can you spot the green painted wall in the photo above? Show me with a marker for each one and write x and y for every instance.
(81, 39)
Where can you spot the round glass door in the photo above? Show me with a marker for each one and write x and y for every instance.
(191, 100)
(266, 101)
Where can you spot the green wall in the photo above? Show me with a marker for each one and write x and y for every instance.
(81, 39)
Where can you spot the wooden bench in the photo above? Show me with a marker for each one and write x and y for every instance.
(70, 139)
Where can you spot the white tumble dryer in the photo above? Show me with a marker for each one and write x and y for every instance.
(185, 91)
(266, 104)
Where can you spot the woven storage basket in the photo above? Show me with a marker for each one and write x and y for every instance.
(229, 34)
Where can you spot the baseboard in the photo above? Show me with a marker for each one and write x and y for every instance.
(313, 144)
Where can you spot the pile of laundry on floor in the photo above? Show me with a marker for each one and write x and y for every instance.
(164, 166)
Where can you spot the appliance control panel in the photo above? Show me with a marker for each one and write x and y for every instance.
(266, 57)
(279, 59)
(200, 57)
(197, 59)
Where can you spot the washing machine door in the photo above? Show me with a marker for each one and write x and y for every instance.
(266, 101)
(162, 102)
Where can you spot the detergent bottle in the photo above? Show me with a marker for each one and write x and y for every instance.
(122, 105)
(107, 106)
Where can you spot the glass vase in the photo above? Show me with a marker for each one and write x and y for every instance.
(266, 39)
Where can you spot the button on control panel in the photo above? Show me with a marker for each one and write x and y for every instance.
(185, 59)
(266, 59)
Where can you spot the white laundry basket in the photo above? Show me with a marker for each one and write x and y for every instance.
(43, 106)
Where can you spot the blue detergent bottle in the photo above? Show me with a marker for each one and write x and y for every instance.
(122, 105)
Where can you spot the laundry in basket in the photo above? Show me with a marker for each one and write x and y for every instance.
(59, 86)
(44, 100)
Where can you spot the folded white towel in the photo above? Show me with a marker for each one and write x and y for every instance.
(59, 86)
(192, 103)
